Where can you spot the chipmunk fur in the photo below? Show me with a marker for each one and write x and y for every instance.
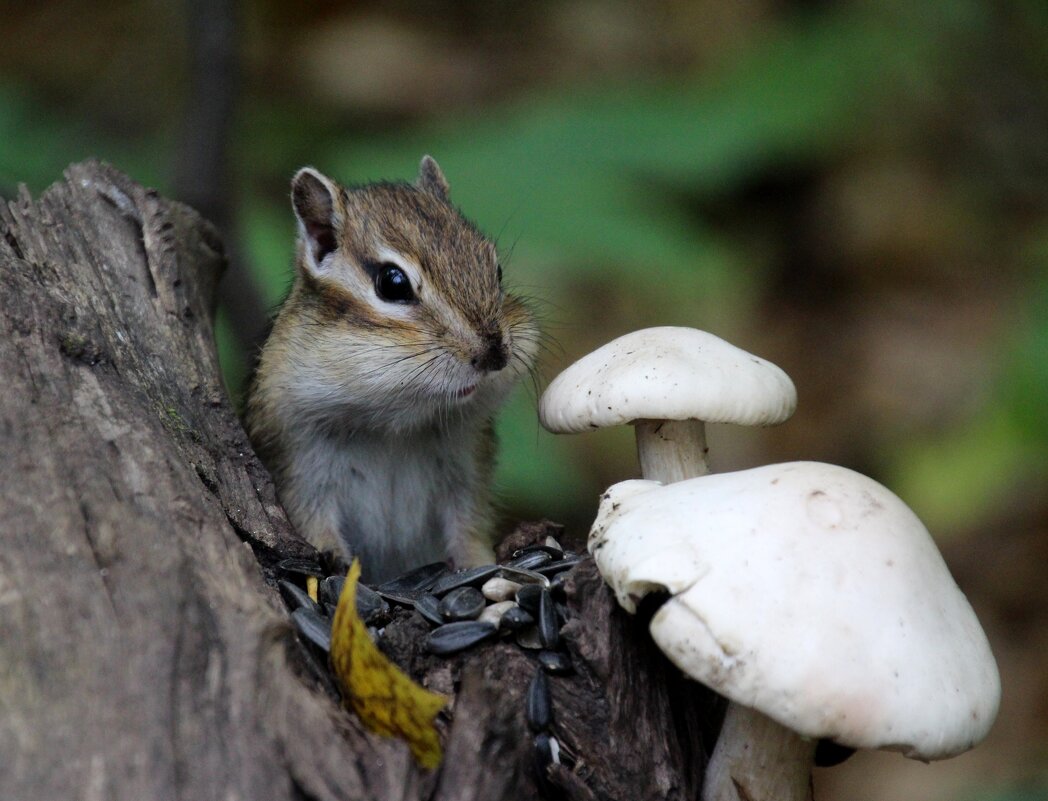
(374, 397)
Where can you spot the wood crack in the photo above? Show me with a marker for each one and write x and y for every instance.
(99, 562)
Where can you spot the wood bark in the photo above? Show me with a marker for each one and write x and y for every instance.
(144, 652)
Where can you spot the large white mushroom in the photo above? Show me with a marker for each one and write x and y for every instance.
(668, 383)
(817, 603)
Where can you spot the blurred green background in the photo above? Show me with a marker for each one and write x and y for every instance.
(857, 191)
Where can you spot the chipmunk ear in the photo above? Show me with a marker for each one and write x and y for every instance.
(431, 179)
(313, 196)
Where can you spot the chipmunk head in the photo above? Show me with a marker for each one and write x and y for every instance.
(411, 320)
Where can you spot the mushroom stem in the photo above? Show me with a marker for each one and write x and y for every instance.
(671, 450)
(756, 759)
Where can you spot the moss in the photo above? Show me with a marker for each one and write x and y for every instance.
(174, 421)
(80, 349)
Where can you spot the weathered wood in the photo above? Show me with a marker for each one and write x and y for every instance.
(143, 650)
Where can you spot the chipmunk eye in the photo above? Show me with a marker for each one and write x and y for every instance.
(393, 285)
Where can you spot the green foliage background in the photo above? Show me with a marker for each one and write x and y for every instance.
(629, 199)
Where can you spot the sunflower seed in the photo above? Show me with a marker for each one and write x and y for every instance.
(414, 581)
(462, 578)
(552, 568)
(556, 586)
(404, 598)
(429, 607)
(499, 589)
(546, 753)
(523, 576)
(462, 603)
(331, 589)
(554, 749)
(529, 638)
(554, 551)
(313, 627)
(549, 631)
(555, 662)
(530, 561)
(453, 637)
(296, 597)
(538, 704)
(515, 619)
(528, 598)
(494, 612)
(370, 604)
(302, 567)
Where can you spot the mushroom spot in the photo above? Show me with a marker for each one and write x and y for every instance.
(824, 510)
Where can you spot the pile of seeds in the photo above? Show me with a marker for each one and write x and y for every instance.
(521, 599)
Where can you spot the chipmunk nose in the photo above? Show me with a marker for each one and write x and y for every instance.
(494, 356)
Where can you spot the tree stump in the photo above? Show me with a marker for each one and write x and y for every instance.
(144, 652)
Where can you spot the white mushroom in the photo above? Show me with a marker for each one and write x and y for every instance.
(667, 382)
(817, 603)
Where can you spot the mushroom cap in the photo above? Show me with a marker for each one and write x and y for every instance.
(667, 373)
(810, 593)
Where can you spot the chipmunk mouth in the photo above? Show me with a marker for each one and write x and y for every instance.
(465, 392)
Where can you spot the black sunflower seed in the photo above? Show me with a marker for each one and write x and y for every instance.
(555, 662)
(462, 578)
(406, 598)
(553, 568)
(313, 627)
(545, 750)
(331, 589)
(523, 576)
(516, 619)
(539, 705)
(296, 597)
(556, 586)
(429, 607)
(302, 567)
(528, 638)
(528, 598)
(553, 551)
(370, 604)
(549, 630)
(530, 561)
(462, 603)
(453, 637)
(414, 581)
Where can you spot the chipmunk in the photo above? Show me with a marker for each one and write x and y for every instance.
(374, 397)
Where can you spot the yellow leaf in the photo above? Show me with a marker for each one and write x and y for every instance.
(384, 697)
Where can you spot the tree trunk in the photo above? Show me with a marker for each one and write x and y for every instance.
(144, 652)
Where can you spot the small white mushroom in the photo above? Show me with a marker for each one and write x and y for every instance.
(668, 383)
(817, 603)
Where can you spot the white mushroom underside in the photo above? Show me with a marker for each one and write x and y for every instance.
(809, 592)
(667, 373)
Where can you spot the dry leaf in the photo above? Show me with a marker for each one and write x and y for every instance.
(383, 696)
